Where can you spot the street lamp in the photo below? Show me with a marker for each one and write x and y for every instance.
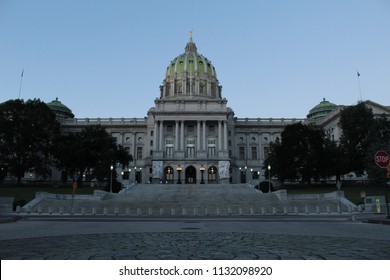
(202, 169)
(111, 168)
(129, 176)
(179, 169)
(269, 178)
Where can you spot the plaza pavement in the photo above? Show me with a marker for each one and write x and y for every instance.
(270, 237)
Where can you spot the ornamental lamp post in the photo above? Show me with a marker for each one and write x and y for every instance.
(111, 168)
(202, 169)
(269, 178)
(179, 169)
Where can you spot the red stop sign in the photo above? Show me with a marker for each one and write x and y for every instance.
(382, 159)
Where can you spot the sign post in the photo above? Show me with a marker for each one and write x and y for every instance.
(382, 159)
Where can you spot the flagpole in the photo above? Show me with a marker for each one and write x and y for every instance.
(21, 82)
(360, 90)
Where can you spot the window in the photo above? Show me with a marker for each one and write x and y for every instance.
(190, 147)
(169, 152)
(190, 128)
(241, 154)
(151, 143)
(266, 152)
(211, 142)
(169, 147)
(151, 133)
(139, 152)
(254, 152)
(211, 128)
(169, 128)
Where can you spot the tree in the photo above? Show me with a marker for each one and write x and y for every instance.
(356, 124)
(300, 153)
(378, 139)
(91, 151)
(28, 131)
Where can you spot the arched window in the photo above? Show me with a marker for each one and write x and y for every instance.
(212, 174)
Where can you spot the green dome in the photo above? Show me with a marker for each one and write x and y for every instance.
(190, 75)
(60, 109)
(321, 110)
(191, 62)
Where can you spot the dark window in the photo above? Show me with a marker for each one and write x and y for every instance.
(254, 152)
(241, 153)
(139, 152)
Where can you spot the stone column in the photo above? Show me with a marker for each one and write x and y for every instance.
(161, 136)
(204, 136)
(198, 136)
(176, 135)
(225, 146)
(155, 138)
(219, 136)
(182, 136)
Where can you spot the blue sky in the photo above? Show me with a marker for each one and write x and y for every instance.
(273, 58)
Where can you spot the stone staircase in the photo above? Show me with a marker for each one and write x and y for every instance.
(173, 199)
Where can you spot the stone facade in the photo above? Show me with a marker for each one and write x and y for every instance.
(192, 133)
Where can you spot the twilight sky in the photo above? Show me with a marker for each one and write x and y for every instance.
(275, 59)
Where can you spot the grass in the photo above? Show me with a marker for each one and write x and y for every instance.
(352, 192)
(25, 193)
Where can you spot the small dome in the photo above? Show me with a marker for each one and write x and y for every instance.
(190, 74)
(320, 111)
(60, 109)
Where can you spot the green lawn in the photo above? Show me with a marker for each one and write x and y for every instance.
(24, 194)
(351, 192)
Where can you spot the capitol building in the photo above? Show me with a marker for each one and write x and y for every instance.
(191, 136)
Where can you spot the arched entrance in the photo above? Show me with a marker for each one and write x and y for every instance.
(212, 175)
(168, 175)
(190, 175)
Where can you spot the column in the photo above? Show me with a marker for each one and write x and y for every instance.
(204, 146)
(225, 146)
(176, 135)
(161, 136)
(198, 136)
(182, 136)
(155, 139)
(219, 136)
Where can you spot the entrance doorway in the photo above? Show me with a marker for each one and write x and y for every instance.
(190, 175)
(169, 177)
(212, 175)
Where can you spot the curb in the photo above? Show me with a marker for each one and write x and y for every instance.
(381, 222)
(10, 219)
